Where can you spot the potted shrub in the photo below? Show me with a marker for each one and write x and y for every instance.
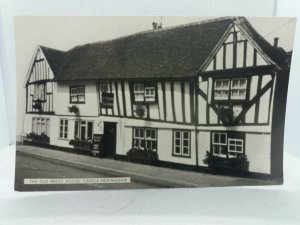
(238, 163)
(146, 156)
(73, 109)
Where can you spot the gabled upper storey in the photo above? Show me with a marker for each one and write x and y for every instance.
(241, 46)
(44, 65)
(39, 81)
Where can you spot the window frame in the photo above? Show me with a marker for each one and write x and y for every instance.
(144, 139)
(181, 139)
(70, 93)
(102, 84)
(230, 89)
(220, 145)
(37, 88)
(64, 131)
(240, 145)
(86, 129)
(141, 92)
(145, 99)
(230, 136)
(37, 129)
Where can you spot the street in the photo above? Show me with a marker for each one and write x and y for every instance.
(27, 167)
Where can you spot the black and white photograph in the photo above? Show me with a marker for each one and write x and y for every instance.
(106, 103)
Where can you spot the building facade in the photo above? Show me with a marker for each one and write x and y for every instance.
(197, 96)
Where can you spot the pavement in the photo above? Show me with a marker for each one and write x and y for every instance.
(156, 176)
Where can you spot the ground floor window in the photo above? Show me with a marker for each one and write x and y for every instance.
(63, 129)
(83, 130)
(145, 138)
(40, 125)
(226, 144)
(181, 143)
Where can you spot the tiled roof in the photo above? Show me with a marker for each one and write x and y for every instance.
(172, 52)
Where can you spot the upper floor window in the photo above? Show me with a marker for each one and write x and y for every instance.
(181, 145)
(106, 97)
(39, 92)
(230, 89)
(77, 94)
(144, 93)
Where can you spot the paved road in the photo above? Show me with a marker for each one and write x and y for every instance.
(27, 167)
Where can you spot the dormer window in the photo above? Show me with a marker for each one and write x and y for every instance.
(230, 89)
(144, 93)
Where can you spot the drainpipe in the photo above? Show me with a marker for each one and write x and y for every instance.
(196, 120)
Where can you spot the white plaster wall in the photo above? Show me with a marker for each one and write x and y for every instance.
(127, 141)
(203, 146)
(165, 145)
(258, 151)
(177, 101)
(62, 99)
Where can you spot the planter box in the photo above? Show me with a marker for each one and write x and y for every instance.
(81, 145)
(143, 156)
(38, 138)
(239, 163)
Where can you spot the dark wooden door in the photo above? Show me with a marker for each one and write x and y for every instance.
(109, 139)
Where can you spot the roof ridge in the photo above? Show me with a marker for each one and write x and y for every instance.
(45, 47)
(156, 30)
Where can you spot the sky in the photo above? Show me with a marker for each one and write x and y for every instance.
(64, 33)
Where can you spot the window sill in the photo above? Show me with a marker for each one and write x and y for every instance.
(77, 102)
(63, 139)
(181, 156)
(145, 103)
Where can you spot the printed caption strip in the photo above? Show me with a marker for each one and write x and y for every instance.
(110, 180)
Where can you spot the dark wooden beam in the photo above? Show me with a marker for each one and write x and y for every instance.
(191, 85)
(254, 100)
(256, 114)
(173, 100)
(182, 83)
(224, 56)
(164, 99)
(238, 72)
(117, 97)
(123, 97)
(245, 54)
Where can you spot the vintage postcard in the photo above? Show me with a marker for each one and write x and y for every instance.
(150, 102)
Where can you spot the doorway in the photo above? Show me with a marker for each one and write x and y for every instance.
(109, 139)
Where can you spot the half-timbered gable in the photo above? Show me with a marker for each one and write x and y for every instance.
(238, 79)
(39, 83)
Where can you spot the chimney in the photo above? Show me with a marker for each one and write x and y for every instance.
(276, 42)
(154, 25)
